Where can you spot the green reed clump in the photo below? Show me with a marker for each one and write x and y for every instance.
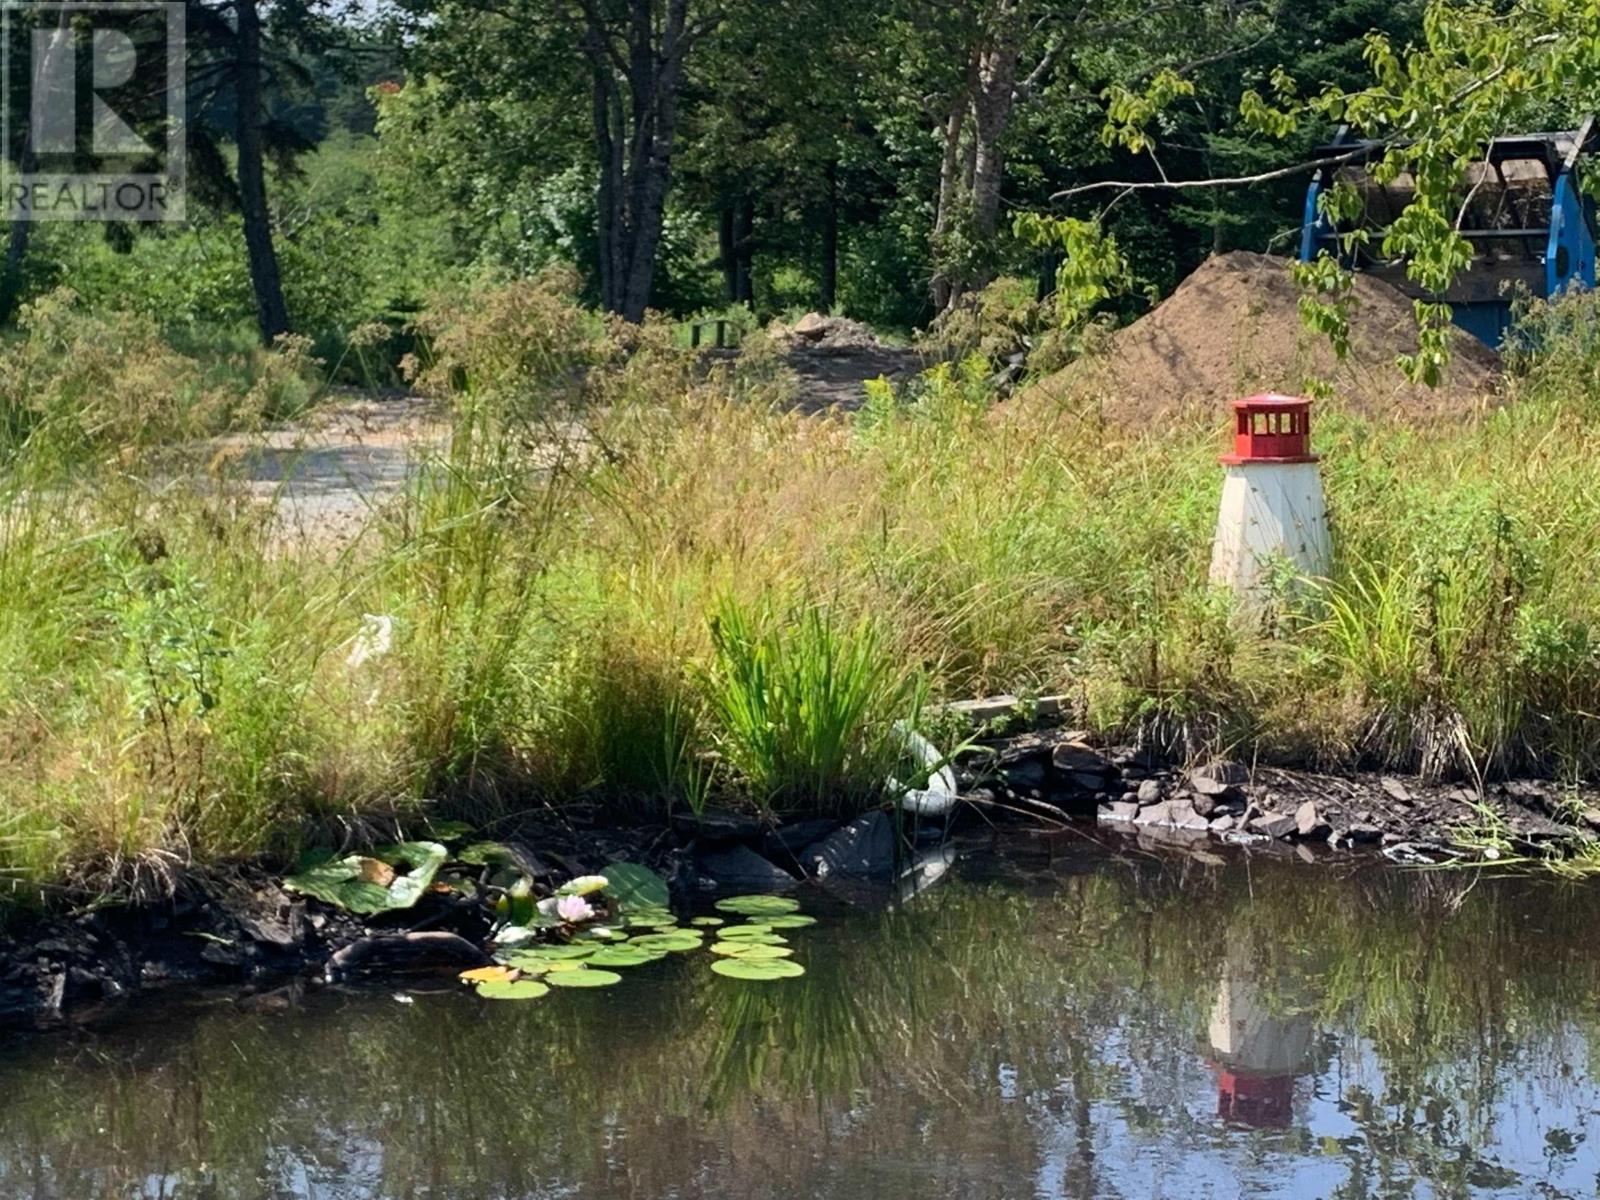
(806, 703)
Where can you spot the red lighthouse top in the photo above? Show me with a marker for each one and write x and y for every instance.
(1271, 429)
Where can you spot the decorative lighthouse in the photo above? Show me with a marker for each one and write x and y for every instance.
(1272, 510)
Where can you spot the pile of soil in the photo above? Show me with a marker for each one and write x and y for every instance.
(816, 332)
(1233, 329)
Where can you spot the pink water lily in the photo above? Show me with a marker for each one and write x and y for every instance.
(573, 909)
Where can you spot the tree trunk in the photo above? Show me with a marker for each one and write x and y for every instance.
(727, 252)
(272, 314)
(830, 240)
(634, 144)
(21, 230)
(973, 168)
(949, 197)
(745, 249)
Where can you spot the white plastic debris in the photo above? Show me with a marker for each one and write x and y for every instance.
(939, 797)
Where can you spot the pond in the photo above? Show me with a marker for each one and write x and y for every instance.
(1051, 1020)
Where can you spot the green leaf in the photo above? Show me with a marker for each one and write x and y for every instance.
(519, 989)
(739, 968)
(425, 859)
(751, 951)
(758, 906)
(340, 883)
(790, 921)
(585, 978)
(635, 887)
(676, 942)
(625, 956)
(750, 933)
(487, 854)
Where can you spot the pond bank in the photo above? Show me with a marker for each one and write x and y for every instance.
(1410, 819)
(244, 930)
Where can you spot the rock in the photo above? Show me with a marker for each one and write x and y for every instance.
(1223, 824)
(1309, 824)
(1273, 825)
(1205, 805)
(1396, 790)
(1591, 818)
(741, 868)
(794, 837)
(863, 849)
(1087, 781)
(1172, 814)
(1142, 760)
(1121, 811)
(813, 327)
(990, 708)
(718, 825)
(1073, 758)
(1149, 792)
(1218, 778)
(1025, 776)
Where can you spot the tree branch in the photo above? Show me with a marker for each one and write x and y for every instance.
(1234, 181)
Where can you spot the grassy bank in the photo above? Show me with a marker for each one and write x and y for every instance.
(629, 582)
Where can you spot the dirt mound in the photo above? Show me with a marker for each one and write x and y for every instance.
(1233, 328)
(817, 332)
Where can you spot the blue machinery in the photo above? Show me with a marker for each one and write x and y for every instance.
(1529, 225)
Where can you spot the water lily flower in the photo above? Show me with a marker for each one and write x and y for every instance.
(585, 885)
(573, 909)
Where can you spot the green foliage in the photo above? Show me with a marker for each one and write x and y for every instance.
(805, 703)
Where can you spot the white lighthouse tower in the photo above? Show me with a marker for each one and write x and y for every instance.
(1272, 505)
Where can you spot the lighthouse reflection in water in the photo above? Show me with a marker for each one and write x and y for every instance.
(1261, 1033)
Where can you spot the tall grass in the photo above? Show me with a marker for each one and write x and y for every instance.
(606, 589)
(807, 704)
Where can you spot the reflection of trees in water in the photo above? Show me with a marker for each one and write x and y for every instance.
(992, 1033)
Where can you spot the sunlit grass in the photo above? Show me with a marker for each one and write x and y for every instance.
(629, 581)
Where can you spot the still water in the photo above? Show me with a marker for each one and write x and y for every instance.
(1052, 1021)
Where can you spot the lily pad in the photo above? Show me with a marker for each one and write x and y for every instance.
(526, 962)
(625, 956)
(350, 883)
(633, 886)
(488, 975)
(741, 968)
(754, 933)
(585, 978)
(754, 953)
(677, 943)
(708, 922)
(758, 906)
(651, 921)
(789, 921)
(521, 989)
(555, 953)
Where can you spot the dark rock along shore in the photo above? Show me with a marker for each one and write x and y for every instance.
(244, 930)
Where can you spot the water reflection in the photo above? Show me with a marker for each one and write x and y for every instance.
(1057, 1026)
(1261, 1033)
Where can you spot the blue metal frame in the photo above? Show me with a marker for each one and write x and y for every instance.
(1569, 259)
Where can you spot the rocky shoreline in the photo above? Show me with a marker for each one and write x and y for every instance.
(1408, 819)
(244, 930)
